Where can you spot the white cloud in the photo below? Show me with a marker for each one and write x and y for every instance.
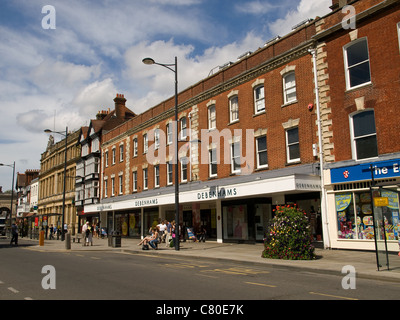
(257, 7)
(305, 10)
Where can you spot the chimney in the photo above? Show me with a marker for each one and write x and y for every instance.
(336, 4)
(120, 106)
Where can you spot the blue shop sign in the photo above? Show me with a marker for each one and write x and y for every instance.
(381, 170)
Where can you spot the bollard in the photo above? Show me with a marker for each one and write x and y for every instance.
(68, 241)
(41, 238)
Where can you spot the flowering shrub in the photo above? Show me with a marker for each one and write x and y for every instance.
(289, 235)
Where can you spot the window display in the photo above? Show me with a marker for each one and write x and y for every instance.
(354, 215)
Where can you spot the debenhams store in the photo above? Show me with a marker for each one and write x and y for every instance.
(235, 209)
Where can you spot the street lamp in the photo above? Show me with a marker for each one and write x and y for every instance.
(174, 68)
(65, 174)
(12, 187)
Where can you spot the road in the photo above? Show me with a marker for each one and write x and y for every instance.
(91, 275)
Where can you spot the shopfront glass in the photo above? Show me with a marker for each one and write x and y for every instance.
(354, 216)
(235, 222)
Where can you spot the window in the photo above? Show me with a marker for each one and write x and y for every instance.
(398, 33)
(135, 147)
(212, 162)
(156, 176)
(105, 187)
(292, 145)
(169, 133)
(120, 180)
(112, 186)
(357, 64)
(184, 166)
(134, 181)
(261, 149)
(169, 173)
(145, 179)
(235, 157)
(145, 143)
(234, 109)
(364, 142)
(106, 158)
(113, 155)
(121, 153)
(156, 139)
(289, 88)
(212, 123)
(259, 103)
(183, 127)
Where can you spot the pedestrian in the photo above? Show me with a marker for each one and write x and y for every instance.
(51, 232)
(14, 233)
(84, 229)
(89, 235)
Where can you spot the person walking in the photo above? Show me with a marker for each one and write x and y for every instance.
(84, 232)
(14, 233)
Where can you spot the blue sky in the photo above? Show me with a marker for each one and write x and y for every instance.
(53, 78)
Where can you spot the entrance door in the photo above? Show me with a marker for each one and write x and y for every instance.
(208, 220)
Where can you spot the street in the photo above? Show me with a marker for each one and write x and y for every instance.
(90, 275)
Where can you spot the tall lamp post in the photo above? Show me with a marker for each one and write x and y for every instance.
(174, 68)
(12, 188)
(65, 177)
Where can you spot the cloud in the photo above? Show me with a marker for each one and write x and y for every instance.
(257, 7)
(305, 10)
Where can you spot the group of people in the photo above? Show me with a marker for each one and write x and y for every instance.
(165, 232)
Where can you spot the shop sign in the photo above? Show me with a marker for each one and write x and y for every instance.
(215, 193)
(381, 201)
(380, 170)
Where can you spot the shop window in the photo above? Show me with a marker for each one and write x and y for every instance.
(235, 222)
(364, 142)
(357, 64)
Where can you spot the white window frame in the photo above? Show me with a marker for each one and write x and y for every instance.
(105, 187)
(135, 147)
(183, 125)
(145, 179)
(145, 143)
(258, 152)
(212, 117)
(234, 109)
(184, 169)
(211, 162)
(134, 181)
(258, 101)
(156, 176)
(121, 153)
(113, 186)
(169, 173)
(289, 87)
(169, 133)
(113, 155)
(234, 156)
(354, 139)
(156, 138)
(289, 160)
(347, 68)
(106, 158)
(120, 184)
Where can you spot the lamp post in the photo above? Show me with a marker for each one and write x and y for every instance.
(174, 68)
(65, 177)
(12, 188)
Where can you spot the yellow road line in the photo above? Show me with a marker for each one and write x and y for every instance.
(332, 296)
(261, 284)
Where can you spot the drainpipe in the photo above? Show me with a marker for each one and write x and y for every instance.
(325, 229)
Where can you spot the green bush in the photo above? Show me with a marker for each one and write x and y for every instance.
(289, 235)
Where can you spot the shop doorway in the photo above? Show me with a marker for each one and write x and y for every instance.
(208, 219)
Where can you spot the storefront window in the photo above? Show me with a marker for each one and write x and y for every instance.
(134, 224)
(235, 222)
(354, 216)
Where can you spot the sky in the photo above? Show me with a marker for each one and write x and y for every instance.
(62, 64)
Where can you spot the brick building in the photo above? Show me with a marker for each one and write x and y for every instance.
(248, 136)
(359, 87)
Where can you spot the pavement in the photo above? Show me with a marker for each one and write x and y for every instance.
(327, 261)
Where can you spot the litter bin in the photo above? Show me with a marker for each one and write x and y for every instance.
(116, 241)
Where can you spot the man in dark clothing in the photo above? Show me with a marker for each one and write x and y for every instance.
(14, 233)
